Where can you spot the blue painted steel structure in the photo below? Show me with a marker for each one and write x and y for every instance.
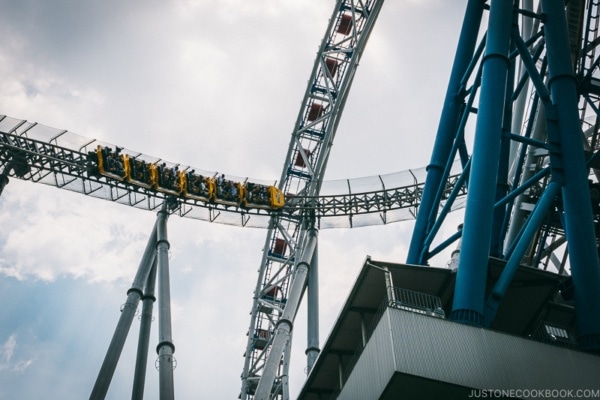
(446, 143)
(579, 222)
(549, 186)
(477, 228)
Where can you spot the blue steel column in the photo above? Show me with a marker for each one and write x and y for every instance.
(579, 226)
(477, 231)
(165, 348)
(134, 294)
(447, 128)
(502, 185)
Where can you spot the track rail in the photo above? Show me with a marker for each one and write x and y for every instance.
(291, 237)
(59, 158)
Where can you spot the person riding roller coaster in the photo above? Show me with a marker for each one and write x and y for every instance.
(162, 178)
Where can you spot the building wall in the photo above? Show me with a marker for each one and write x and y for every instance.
(374, 368)
(472, 357)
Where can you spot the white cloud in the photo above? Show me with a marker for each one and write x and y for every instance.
(216, 85)
(60, 236)
(7, 353)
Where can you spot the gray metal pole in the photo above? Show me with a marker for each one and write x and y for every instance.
(340, 370)
(285, 367)
(312, 298)
(3, 180)
(115, 348)
(520, 104)
(363, 329)
(389, 285)
(139, 377)
(165, 348)
(285, 323)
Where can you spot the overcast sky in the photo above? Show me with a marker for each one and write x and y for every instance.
(212, 84)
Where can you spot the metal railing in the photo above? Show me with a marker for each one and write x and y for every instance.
(554, 334)
(418, 302)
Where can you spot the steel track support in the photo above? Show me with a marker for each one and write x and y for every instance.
(165, 348)
(579, 225)
(521, 101)
(468, 305)
(533, 224)
(254, 313)
(285, 324)
(519, 215)
(285, 367)
(312, 301)
(134, 294)
(305, 163)
(139, 377)
(447, 129)
(4, 178)
(502, 185)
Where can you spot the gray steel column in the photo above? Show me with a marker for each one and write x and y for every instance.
(165, 348)
(312, 347)
(139, 377)
(340, 370)
(519, 215)
(285, 323)
(389, 285)
(363, 329)
(134, 294)
(285, 366)
(520, 104)
(3, 179)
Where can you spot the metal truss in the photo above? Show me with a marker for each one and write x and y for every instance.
(289, 245)
(39, 154)
(514, 80)
(532, 174)
(372, 207)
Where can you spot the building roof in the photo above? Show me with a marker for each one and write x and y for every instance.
(529, 300)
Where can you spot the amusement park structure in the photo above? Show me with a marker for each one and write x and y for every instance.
(524, 80)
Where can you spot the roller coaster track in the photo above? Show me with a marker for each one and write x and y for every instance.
(40, 154)
(59, 158)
